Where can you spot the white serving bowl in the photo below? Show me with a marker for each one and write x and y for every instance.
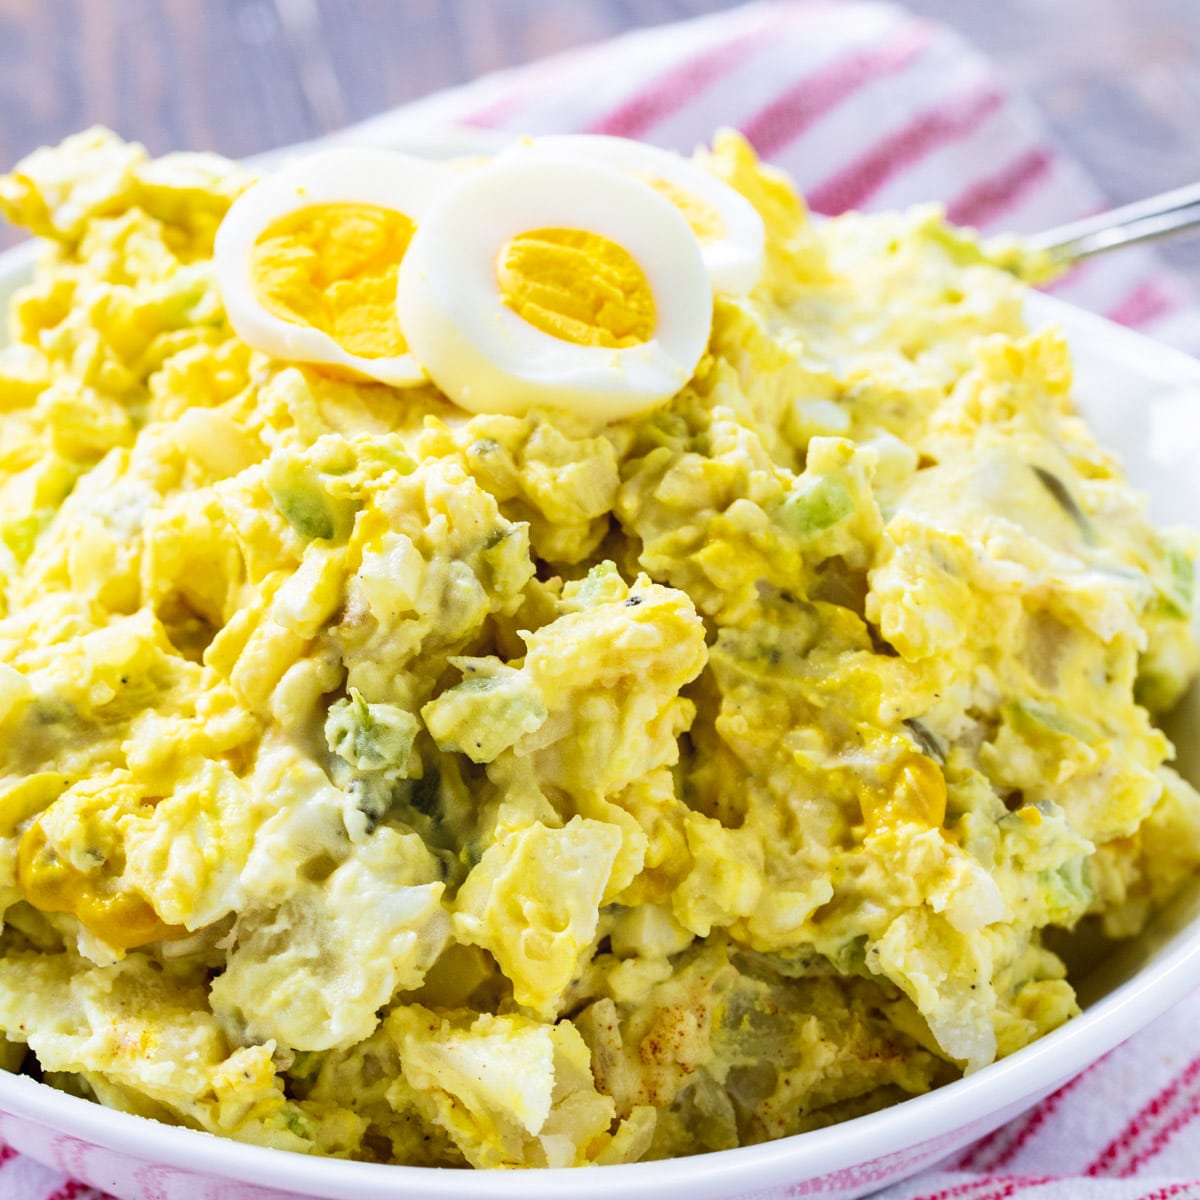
(1142, 399)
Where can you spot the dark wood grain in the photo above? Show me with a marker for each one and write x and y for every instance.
(1119, 81)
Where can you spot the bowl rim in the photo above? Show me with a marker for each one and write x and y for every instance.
(1012, 1082)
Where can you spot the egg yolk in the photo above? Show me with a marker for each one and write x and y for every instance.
(706, 222)
(121, 918)
(333, 267)
(577, 286)
(915, 792)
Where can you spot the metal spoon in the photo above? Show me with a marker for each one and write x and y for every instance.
(1158, 216)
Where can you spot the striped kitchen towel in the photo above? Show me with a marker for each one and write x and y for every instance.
(1127, 1128)
(865, 105)
(869, 107)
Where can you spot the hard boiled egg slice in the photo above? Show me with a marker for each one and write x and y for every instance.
(307, 260)
(730, 231)
(544, 282)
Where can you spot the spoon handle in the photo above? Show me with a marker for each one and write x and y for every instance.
(1158, 216)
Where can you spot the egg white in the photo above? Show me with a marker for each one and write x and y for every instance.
(385, 179)
(484, 356)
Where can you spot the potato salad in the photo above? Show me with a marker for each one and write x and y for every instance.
(553, 660)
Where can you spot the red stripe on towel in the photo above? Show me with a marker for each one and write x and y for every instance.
(74, 1190)
(1007, 1141)
(1146, 302)
(990, 198)
(951, 121)
(1155, 1123)
(683, 83)
(989, 1189)
(789, 115)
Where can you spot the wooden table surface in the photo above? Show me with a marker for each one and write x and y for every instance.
(1119, 80)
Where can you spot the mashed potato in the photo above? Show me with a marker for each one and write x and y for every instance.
(387, 782)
